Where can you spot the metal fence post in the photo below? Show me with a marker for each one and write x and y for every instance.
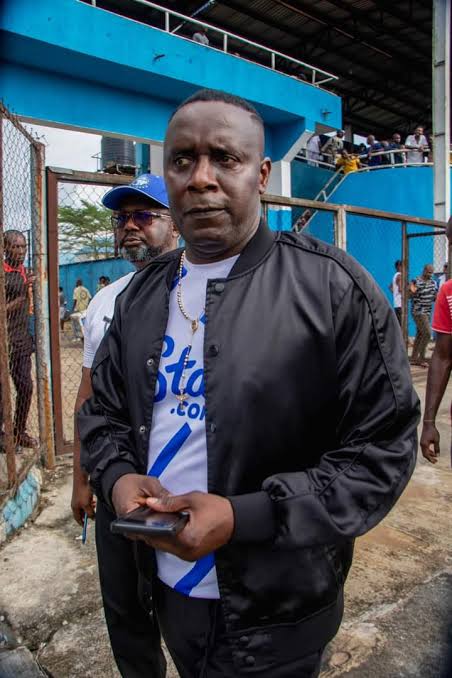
(340, 228)
(405, 269)
(5, 388)
(45, 415)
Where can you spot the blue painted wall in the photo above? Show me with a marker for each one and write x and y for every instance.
(72, 64)
(307, 180)
(89, 272)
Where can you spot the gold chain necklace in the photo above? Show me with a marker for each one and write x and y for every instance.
(194, 323)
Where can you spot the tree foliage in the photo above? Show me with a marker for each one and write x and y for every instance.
(85, 231)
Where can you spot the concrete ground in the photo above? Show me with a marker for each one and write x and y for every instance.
(398, 595)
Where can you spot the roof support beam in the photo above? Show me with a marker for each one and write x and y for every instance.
(390, 8)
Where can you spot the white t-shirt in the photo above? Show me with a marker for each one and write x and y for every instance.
(177, 443)
(413, 156)
(396, 293)
(99, 316)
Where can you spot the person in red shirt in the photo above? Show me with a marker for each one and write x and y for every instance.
(440, 366)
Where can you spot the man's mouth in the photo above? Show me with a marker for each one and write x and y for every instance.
(207, 211)
(131, 242)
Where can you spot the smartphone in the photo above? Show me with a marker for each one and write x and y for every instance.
(150, 523)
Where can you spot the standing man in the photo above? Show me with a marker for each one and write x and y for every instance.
(416, 144)
(396, 145)
(374, 149)
(423, 294)
(333, 147)
(440, 366)
(144, 230)
(201, 36)
(396, 289)
(81, 298)
(281, 451)
(20, 342)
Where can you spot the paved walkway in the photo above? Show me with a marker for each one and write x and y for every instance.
(397, 595)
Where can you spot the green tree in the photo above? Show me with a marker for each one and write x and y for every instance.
(86, 230)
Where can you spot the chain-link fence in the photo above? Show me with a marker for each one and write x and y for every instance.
(24, 401)
(82, 260)
(426, 270)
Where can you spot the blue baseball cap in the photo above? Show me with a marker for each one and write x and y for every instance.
(149, 185)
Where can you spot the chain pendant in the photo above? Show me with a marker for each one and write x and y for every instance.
(194, 325)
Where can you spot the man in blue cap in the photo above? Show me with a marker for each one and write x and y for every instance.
(144, 229)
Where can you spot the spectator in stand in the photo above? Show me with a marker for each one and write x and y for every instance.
(313, 150)
(396, 289)
(386, 157)
(348, 163)
(396, 144)
(374, 149)
(440, 367)
(201, 36)
(416, 144)
(333, 147)
(423, 294)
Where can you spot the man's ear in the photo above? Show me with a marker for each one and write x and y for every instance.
(265, 170)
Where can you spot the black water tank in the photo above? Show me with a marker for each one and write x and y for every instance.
(117, 152)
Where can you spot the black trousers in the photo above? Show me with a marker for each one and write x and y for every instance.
(20, 370)
(194, 634)
(134, 633)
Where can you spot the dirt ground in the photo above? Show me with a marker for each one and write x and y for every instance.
(398, 595)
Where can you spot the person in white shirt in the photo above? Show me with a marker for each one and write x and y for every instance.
(416, 144)
(396, 289)
(201, 36)
(144, 229)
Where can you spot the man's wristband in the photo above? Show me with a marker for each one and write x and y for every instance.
(428, 421)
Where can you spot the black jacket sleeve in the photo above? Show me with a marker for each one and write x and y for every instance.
(355, 485)
(106, 436)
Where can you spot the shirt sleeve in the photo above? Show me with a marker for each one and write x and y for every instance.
(442, 316)
(89, 349)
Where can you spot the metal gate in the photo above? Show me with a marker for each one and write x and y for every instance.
(419, 248)
(26, 432)
(81, 246)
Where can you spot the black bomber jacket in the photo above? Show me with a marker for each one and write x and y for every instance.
(311, 427)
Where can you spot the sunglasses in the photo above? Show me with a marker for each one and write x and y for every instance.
(141, 218)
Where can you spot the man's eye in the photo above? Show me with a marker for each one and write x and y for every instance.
(227, 159)
(182, 161)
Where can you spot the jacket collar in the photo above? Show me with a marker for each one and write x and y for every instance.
(255, 250)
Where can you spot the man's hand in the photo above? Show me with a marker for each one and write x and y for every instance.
(430, 442)
(132, 491)
(82, 500)
(210, 525)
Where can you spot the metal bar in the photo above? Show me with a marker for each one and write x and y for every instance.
(99, 178)
(430, 234)
(225, 43)
(340, 223)
(273, 60)
(234, 36)
(52, 249)
(46, 440)
(167, 22)
(8, 436)
(405, 297)
(351, 209)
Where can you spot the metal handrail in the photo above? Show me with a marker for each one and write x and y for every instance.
(226, 35)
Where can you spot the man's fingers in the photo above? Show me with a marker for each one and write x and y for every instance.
(77, 513)
(169, 503)
(436, 447)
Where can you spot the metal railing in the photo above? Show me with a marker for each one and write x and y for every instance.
(226, 36)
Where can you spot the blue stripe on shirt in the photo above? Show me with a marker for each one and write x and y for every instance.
(170, 450)
(197, 573)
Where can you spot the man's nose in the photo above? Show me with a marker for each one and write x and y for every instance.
(130, 225)
(203, 176)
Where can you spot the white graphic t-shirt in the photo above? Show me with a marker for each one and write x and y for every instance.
(99, 316)
(177, 443)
